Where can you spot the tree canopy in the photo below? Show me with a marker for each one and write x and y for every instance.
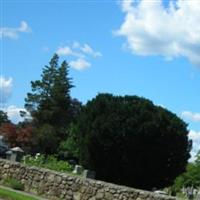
(50, 105)
(3, 117)
(128, 140)
(16, 135)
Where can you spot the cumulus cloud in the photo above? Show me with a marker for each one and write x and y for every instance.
(154, 29)
(5, 89)
(195, 137)
(80, 64)
(80, 54)
(191, 116)
(88, 50)
(13, 113)
(67, 51)
(13, 33)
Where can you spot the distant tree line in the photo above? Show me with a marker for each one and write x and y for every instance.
(125, 139)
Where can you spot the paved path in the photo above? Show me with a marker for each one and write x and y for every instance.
(21, 192)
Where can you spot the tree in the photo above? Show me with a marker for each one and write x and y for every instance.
(197, 161)
(50, 105)
(128, 140)
(3, 117)
(25, 137)
(9, 131)
(191, 177)
(18, 135)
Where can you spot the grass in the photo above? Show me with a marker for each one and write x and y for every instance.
(13, 183)
(11, 195)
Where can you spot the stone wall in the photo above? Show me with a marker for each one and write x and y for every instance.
(53, 185)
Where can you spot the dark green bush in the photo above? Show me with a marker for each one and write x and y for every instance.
(130, 141)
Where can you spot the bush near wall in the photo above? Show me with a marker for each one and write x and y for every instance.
(48, 162)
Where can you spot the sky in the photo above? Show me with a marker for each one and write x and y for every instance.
(148, 48)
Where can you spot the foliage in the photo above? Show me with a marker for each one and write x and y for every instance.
(49, 162)
(70, 146)
(13, 183)
(11, 195)
(191, 177)
(45, 139)
(25, 137)
(3, 117)
(10, 133)
(197, 161)
(51, 107)
(49, 101)
(128, 140)
(18, 135)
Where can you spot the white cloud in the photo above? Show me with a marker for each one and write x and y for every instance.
(62, 51)
(80, 64)
(67, 51)
(88, 50)
(24, 27)
(5, 89)
(195, 137)
(78, 51)
(82, 53)
(13, 33)
(191, 116)
(152, 29)
(13, 113)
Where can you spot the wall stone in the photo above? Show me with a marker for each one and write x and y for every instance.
(54, 185)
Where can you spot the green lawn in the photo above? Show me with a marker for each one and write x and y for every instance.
(11, 195)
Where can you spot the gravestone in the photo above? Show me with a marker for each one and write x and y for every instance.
(78, 169)
(15, 154)
(89, 174)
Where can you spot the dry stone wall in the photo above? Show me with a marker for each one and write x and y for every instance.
(53, 185)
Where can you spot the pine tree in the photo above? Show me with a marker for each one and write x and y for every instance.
(50, 105)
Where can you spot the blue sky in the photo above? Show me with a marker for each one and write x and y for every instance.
(145, 48)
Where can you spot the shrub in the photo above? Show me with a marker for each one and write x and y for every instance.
(129, 140)
(49, 162)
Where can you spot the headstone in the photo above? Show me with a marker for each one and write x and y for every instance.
(8, 155)
(78, 169)
(15, 154)
(89, 174)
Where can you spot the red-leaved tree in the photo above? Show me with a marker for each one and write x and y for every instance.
(17, 136)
